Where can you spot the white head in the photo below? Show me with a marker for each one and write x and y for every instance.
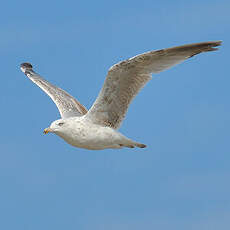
(56, 127)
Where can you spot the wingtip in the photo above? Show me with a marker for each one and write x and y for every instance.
(219, 42)
(26, 66)
(210, 46)
(215, 44)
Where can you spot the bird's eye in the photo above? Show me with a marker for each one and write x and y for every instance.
(60, 123)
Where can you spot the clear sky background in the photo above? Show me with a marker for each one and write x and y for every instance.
(180, 181)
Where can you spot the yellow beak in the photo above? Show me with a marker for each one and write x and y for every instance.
(47, 130)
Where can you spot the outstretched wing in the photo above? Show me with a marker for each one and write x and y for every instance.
(67, 105)
(125, 79)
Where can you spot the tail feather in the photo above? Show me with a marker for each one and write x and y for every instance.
(133, 145)
(140, 145)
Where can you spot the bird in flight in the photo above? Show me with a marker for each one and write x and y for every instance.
(98, 128)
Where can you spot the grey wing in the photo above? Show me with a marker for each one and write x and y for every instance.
(125, 79)
(67, 105)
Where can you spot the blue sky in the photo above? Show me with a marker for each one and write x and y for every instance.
(180, 181)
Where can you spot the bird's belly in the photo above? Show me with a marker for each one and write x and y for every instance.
(93, 138)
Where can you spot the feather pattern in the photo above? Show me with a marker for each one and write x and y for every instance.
(67, 105)
(125, 79)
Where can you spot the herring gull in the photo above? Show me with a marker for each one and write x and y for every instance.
(98, 128)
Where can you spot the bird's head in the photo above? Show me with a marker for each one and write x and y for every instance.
(57, 126)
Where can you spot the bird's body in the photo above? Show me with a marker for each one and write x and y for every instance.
(97, 128)
(82, 133)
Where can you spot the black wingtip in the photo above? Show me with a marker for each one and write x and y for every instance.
(218, 43)
(26, 65)
(214, 44)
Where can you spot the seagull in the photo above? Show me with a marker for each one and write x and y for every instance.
(97, 128)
